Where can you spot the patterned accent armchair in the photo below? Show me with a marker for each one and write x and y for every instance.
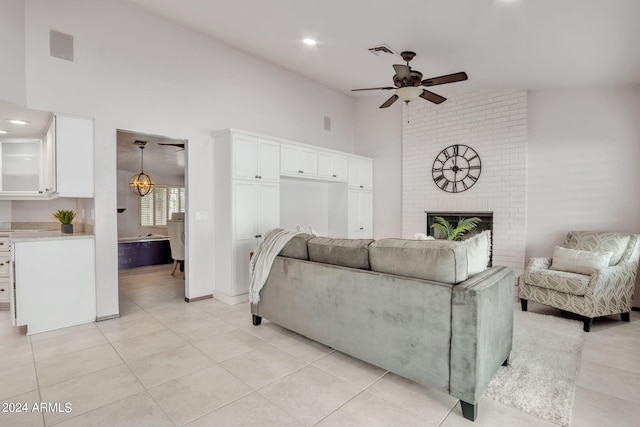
(606, 291)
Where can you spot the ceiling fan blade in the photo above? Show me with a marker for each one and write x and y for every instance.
(449, 78)
(175, 145)
(433, 97)
(402, 71)
(373, 88)
(389, 101)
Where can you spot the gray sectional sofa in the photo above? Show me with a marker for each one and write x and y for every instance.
(429, 311)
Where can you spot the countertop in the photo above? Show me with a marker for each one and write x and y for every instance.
(35, 235)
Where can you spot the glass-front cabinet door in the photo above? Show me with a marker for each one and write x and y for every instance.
(21, 166)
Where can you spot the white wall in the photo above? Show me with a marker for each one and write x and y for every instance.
(12, 51)
(584, 151)
(135, 71)
(304, 203)
(378, 134)
(494, 124)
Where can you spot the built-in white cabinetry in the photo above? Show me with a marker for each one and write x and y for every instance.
(58, 164)
(246, 205)
(360, 214)
(332, 167)
(74, 156)
(360, 173)
(255, 158)
(54, 283)
(5, 283)
(261, 183)
(298, 161)
(256, 210)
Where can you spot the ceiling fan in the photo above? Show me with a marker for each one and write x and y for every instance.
(407, 83)
(181, 146)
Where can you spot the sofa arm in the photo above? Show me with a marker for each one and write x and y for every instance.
(611, 289)
(481, 331)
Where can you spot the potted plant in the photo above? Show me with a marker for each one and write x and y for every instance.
(65, 217)
(450, 232)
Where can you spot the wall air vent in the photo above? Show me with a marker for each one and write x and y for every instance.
(61, 45)
(382, 48)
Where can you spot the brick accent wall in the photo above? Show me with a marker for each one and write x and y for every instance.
(494, 123)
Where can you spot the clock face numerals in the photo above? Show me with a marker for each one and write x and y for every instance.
(456, 169)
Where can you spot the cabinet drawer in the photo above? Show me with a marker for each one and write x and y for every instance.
(4, 264)
(4, 244)
(4, 290)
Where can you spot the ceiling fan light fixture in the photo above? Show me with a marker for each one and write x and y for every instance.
(309, 42)
(408, 93)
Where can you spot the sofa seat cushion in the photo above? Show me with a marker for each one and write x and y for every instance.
(352, 253)
(561, 281)
(297, 247)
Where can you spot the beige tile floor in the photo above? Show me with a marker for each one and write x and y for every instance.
(168, 363)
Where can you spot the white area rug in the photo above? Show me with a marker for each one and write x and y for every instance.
(544, 362)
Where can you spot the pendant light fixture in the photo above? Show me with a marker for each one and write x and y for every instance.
(141, 184)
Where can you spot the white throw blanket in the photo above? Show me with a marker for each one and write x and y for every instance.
(263, 258)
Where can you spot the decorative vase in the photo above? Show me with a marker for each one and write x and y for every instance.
(66, 228)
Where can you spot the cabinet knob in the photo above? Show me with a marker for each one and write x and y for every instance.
(300, 171)
(334, 175)
(361, 228)
(259, 176)
(362, 186)
(256, 177)
(1, 290)
(258, 236)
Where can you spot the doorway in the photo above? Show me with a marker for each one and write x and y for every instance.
(150, 221)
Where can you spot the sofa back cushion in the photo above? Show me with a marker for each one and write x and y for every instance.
(599, 241)
(352, 253)
(297, 247)
(440, 260)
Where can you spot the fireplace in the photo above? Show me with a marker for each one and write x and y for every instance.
(486, 223)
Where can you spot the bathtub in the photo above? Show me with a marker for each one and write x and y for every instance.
(143, 250)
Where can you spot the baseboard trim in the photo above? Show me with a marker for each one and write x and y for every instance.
(231, 300)
(198, 298)
(111, 316)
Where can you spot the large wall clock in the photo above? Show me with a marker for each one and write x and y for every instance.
(457, 168)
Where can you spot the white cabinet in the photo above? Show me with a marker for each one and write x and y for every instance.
(256, 210)
(332, 167)
(5, 282)
(360, 214)
(255, 158)
(360, 173)
(54, 283)
(74, 144)
(245, 207)
(298, 161)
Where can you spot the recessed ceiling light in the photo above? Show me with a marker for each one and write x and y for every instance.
(309, 42)
(18, 122)
(4, 131)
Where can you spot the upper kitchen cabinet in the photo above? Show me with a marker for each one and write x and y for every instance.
(360, 173)
(74, 151)
(298, 161)
(255, 158)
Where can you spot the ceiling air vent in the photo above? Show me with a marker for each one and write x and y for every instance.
(382, 48)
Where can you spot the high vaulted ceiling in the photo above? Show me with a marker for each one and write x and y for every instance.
(529, 44)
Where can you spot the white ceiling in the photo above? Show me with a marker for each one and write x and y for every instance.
(38, 121)
(531, 44)
(158, 159)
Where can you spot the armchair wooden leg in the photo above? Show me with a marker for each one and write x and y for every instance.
(175, 265)
(625, 317)
(469, 410)
(256, 320)
(506, 362)
(523, 304)
(588, 321)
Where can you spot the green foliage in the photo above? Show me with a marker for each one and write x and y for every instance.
(451, 233)
(64, 216)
